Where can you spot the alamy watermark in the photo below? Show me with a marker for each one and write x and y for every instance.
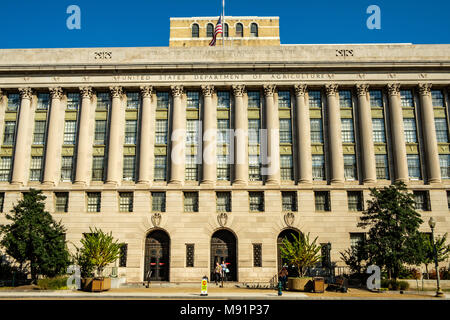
(374, 20)
(74, 20)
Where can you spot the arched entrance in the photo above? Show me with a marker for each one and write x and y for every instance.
(157, 256)
(223, 248)
(287, 233)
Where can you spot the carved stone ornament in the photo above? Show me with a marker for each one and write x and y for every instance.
(300, 90)
(25, 93)
(331, 89)
(289, 218)
(116, 92)
(56, 92)
(208, 90)
(393, 89)
(147, 91)
(238, 90)
(222, 219)
(269, 90)
(362, 89)
(156, 219)
(425, 89)
(177, 91)
(86, 92)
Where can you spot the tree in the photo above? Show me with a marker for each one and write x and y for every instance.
(300, 252)
(393, 238)
(354, 257)
(427, 250)
(34, 239)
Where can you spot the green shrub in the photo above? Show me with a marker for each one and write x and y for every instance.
(403, 285)
(394, 285)
(57, 283)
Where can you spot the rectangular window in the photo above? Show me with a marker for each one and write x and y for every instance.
(129, 168)
(62, 201)
(132, 100)
(73, 101)
(422, 199)
(161, 132)
(191, 172)
(223, 167)
(322, 200)
(254, 168)
(97, 168)
(285, 131)
(13, 101)
(316, 131)
(345, 99)
(100, 132)
(406, 98)
(126, 201)
(2, 200)
(70, 129)
(376, 99)
(409, 125)
(66, 168)
(382, 167)
(223, 128)
(257, 255)
(123, 255)
(356, 238)
(444, 162)
(378, 130)
(130, 131)
(254, 99)
(413, 166)
(190, 255)
(94, 201)
(5, 168)
(355, 200)
(441, 129)
(350, 171)
(318, 167)
(193, 99)
(223, 99)
(159, 201)
(39, 132)
(36, 168)
(256, 200)
(286, 167)
(437, 98)
(253, 131)
(223, 201)
(43, 101)
(103, 102)
(347, 131)
(284, 99)
(190, 201)
(162, 100)
(160, 168)
(10, 133)
(289, 200)
(192, 132)
(315, 100)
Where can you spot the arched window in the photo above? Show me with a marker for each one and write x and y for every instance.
(195, 32)
(209, 30)
(225, 30)
(254, 30)
(239, 30)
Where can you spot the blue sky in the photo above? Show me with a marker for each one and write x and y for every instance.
(113, 23)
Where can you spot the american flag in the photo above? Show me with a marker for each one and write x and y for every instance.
(216, 32)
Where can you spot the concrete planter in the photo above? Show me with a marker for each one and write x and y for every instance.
(300, 284)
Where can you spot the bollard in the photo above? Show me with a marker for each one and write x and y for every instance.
(204, 291)
(279, 288)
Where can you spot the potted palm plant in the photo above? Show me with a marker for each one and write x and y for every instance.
(302, 254)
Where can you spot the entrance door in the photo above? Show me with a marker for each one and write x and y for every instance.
(282, 262)
(157, 253)
(223, 248)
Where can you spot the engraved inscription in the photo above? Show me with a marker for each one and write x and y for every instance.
(344, 53)
(102, 55)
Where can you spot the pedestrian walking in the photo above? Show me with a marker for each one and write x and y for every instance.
(217, 272)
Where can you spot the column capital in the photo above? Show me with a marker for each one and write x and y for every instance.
(393, 89)
(26, 93)
(331, 89)
(56, 92)
(86, 92)
(425, 89)
(362, 89)
(1, 93)
(208, 90)
(300, 90)
(269, 90)
(116, 92)
(146, 91)
(177, 91)
(238, 90)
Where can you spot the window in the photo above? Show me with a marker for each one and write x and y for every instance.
(126, 201)
(223, 167)
(123, 255)
(39, 132)
(192, 132)
(97, 168)
(195, 31)
(191, 172)
(347, 131)
(256, 200)
(382, 168)
(130, 131)
(437, 98)
(209, 30)
(422, 199)
(257, 255)
(406, 98)
(413, 166)
(5, 168)
(189, 255)
(2, 200)
(132, 100)
(66, 168)
(161, 131)
(410, 130)
(70, 128)
(322, 200)
(253, 131)
(316, 131)
(315, 99)
(284, 99)
(193, 99)
(160, 168)
(43, 101)
(448, 199)
(223, 99)
(10, 130)
(223, 128)
(225, 30)
(289, 201)
(94, 201)
(318, 167)
(129, 168)
(345, 99)
(239, 30)
(285, 131)
(62, 201)
(73, 101)
(162, 100)
(286, 167)
(103, 100)
(223, 201)
(190, 201)
(13, 101)
(376, 98)
(441, 129)
(350, 171)
(159, 201)
(254, 168)
(355, 200)
(254, 99)
(100, 132)
(444, 162)
(356, 238)
(378, 130)
(36, 168)
(253, 30)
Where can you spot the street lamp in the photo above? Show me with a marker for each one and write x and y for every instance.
(432, 224)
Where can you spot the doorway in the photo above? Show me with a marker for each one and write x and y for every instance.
(223, 248)
(157, 256)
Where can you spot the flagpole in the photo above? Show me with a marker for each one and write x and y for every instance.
(223, 23)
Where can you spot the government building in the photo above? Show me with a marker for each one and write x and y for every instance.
(191, 154)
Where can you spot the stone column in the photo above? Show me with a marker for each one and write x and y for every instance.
(147, 138)
(365, 123)
(84, 139)
(116, 132)
(398, 137)
(53, 144)
(178, 154)
(429, 134)
(273, 136)
(20, 170)
(209, 136)
(335, 135)
(303, 135)
(240, 136)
